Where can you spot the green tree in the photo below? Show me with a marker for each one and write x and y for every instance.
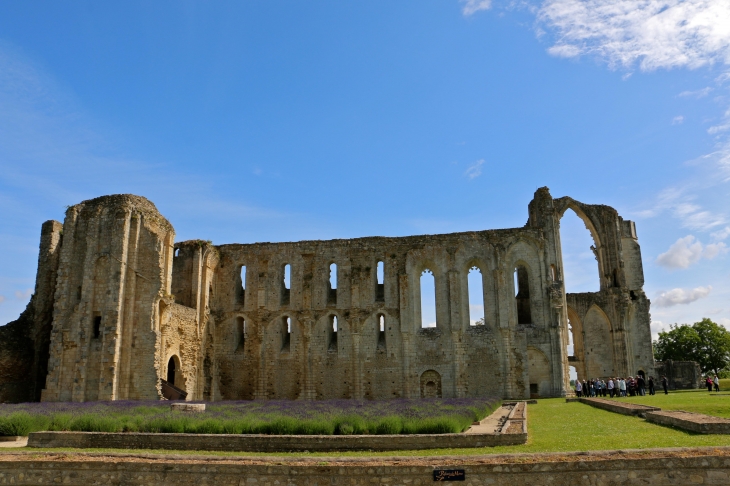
(705, 342)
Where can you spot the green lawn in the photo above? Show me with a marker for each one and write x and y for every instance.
(699, 401)
(555, 426)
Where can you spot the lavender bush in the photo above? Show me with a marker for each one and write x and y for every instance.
(326, 417)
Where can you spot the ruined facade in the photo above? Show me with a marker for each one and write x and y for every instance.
(121, 311)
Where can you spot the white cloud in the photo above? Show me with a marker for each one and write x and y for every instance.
(724, 321)
(474, 170)
(683, 207)
(656, 328)
(653, 33)
(473, 6)
(721, 235)
(677, 120)
(687, 251)
(681, 296)
(700, 93)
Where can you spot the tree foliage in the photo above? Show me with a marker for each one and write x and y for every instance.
(705, 342)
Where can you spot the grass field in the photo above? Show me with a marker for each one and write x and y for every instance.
(556, 426)
(699, 401)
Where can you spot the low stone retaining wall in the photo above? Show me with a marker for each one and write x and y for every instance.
(694, 422)
(271, 443)
(618, 467)
(614, 406)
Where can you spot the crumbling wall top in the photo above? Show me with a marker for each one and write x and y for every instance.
(124, 202)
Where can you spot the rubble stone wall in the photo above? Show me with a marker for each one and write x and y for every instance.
(130, 307)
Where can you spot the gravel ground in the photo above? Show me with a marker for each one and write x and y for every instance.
(368, 461)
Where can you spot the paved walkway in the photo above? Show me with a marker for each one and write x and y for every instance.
(18, 443)
(493, 423)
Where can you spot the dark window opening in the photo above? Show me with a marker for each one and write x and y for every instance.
(380, 282)
(522, 289)
(240, 334)
(285, 285)
(171, 371)
(285, 333)
(632, 294)
(615, 278)
(97, 327)
(332, 285)
(78, 293)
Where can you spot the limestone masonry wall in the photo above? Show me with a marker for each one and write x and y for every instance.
(668, 469)
(134, 313)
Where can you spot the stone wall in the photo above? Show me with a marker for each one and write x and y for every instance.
(682, 375)
(130, 307)
(24, 343)
(656, 469)
(114, 270)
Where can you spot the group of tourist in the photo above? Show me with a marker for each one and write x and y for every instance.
(711, 382)
(618, 387)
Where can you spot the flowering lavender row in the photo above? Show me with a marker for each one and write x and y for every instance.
(406, 408)
(404, 416)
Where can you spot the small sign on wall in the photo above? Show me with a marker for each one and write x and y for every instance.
(449, 475)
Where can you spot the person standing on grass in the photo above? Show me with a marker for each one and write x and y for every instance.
(716, 382)
(640, 383)
(609, 385)
(622, 386)
(665, 385)
(708, 383)
(651, 386)
(578, 388)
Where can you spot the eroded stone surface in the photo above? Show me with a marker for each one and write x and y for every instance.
(132, 312)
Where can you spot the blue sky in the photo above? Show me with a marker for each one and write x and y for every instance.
(284, 120)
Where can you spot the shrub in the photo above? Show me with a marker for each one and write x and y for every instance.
(21, 423)
(96, 423)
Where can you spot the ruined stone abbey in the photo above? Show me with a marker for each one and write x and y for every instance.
(121, 311)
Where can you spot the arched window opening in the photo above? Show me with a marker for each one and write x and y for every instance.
(332, 346)
(571, 341)
(332, 285)
(615, 278)
(171, 371)
(78, 293)
(580, 265)
(380, 282)
(475, 289)
(286, 285)
(242, 288)
(381, 332)
(285, 333)
(573, 375)
(240, 334)
(428, 299)
(553, 273)
(177, 252)
(97, 326)
(522, 288)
